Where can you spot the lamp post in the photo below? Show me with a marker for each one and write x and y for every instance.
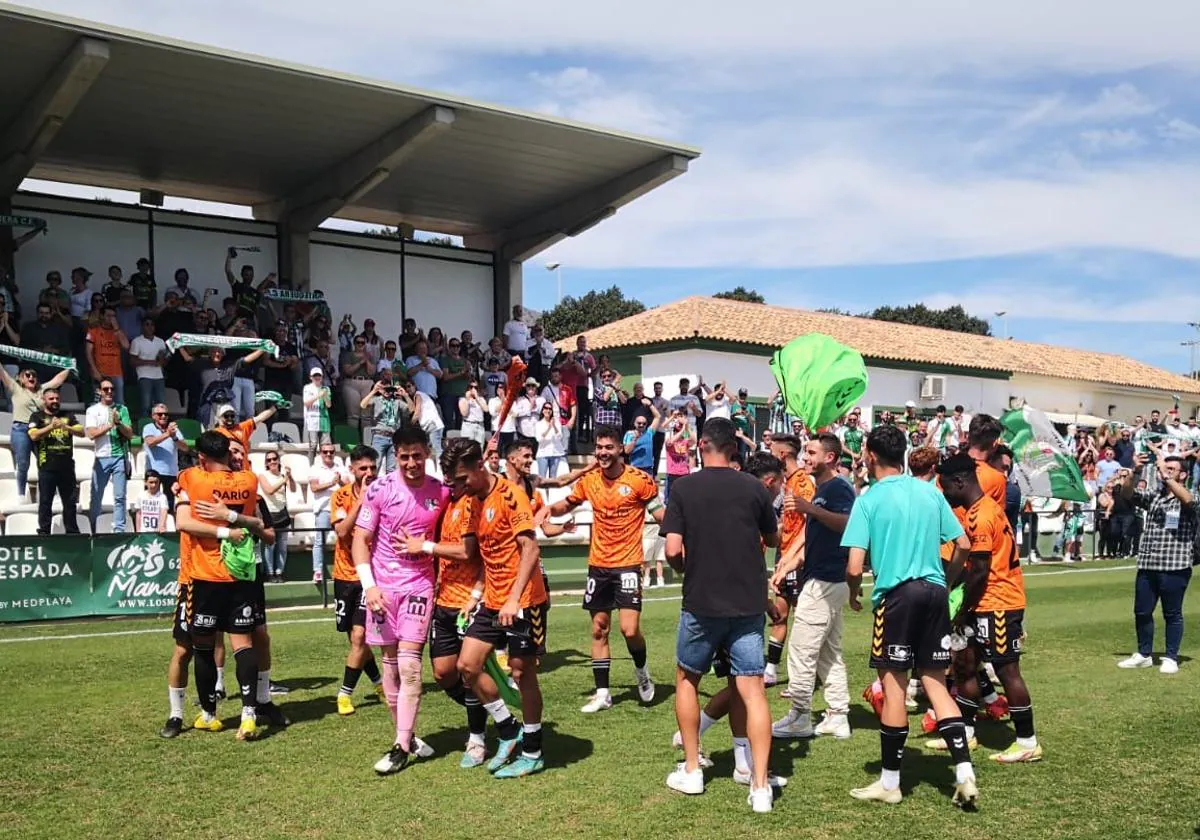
(557, 269)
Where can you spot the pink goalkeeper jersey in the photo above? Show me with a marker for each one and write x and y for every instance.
(392, 509)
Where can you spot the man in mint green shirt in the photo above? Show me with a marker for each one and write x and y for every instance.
(903, 523)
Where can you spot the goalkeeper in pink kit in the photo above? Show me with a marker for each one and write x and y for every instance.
(398, 586)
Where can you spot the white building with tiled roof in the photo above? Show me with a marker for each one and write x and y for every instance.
(733, 341)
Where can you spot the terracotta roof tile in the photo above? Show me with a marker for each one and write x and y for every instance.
(773, 326)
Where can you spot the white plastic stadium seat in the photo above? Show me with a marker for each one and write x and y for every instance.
(139, 464)
(67, 393)
(20, 524)
(283, 427)
(135, 488)
(104, 523)
(299, 465)
(259, 435)
(85, 459)
(301, 521)
(174, 403)
(6, 461)
(258, 462)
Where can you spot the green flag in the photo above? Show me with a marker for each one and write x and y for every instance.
(1043, 465)
(820, 378)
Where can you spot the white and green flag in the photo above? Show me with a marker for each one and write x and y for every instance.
(1041, 461)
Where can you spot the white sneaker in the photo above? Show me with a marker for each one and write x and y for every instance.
(421, 749)
(1136, 661)
(836, 725)
(1034, 558)
(598, 703)
(1168, 666)
(677, 742)
(793, 725)
(770, 677)
(761, 800)
(681, 780)
(773, 781)
(645, 685)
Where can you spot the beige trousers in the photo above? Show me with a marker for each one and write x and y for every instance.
(815, 646)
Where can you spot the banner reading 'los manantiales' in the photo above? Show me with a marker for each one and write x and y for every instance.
(68, 577)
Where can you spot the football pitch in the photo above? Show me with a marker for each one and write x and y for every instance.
(81, 757)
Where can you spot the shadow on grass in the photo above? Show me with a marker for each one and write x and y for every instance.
(306, 683)
(555, 659)
(662, 693)
(562, 750)
(314, 708)
(919, 767)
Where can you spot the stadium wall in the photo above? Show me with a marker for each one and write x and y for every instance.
(368, 276)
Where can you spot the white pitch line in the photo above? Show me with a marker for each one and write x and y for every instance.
(286, 622)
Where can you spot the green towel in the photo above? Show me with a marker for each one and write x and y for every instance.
(508, 689)
(239, 558)
(819, 378)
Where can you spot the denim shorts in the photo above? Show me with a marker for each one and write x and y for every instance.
(742, 637)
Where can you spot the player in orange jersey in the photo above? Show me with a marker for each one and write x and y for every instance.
(620, 497)
(993, 607)
(221, 600)
(500, 533)
(349, 605)
(797, 482)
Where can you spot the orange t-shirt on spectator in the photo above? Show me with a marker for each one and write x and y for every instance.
(106, 349)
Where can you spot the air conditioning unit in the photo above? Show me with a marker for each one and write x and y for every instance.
(933, 388)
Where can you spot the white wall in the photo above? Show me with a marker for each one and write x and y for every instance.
(1070, 397)
(886, 387)
(450, 288)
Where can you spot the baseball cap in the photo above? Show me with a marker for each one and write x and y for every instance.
(910, 404)
(316, 371)
(226, 409)
(531, 381)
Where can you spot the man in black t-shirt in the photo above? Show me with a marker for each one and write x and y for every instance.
(717, 522)
(145, 290)
(244, 292)
(51, 433)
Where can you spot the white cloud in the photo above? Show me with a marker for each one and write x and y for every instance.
(1099, 140)
(586, 96)
(1021, 298)
(1180, 131)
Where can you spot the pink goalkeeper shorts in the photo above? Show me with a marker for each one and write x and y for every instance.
(406, 616)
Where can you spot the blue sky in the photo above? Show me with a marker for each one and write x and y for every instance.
(1043, 159)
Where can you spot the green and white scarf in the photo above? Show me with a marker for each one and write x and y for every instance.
(38, 358)
(223, 342)
(298, 295)
(272, 397)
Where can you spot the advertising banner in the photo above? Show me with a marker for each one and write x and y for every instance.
(45, 578)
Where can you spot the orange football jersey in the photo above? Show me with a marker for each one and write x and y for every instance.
(495, 522)
(618, 515)
(989, 531)
(456, 578)
(238, 491)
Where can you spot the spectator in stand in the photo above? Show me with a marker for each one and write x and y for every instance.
(744, 420)
(1122, 518)
(516, 333)
(507, 429)
(608, 401)
(562, 395)
(321, 357)
(152, 507)
(105, 343)
(247, 295)
(636, 406)
(115, 285)
(548, 432)
(51, 432)
(680, 446)
(185, 294)
(273, 485)
(393, 410)
(294, 325)
(325, 476)
(425, 415)
(180, 374)
(423, 370)
(687, 404)
(456, 374)
(1087, 465)
(317, 402)
(163, 442)
(319, 331)
(346, 334)
(108, 426)
(498, 354)
(282, 374)
(437, 342)
(1107, 467)
(577, 373)
(409, 336)
(358, 376)
(473, 408)
(81, 295)
(46, 334)
(1124, 449)
(230, 309)
(472, 352)
(541, 354)
(526, 409)
(373, 343)
(55, 295)
(145, 290)
(26, 397)
(603, 363)
(719, 404)
(389, 360)
(960, 422)
(148, 354)
(639, 441)
(129, 314)
(95, 315)
(216, 373)
(765, 444)
(494, 379)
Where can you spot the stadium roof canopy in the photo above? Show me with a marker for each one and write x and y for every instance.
(86, 103)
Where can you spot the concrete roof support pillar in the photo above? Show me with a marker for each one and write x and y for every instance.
(27, 136)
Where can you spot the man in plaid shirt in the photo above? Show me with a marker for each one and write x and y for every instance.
(607, 403)
(1165, 558)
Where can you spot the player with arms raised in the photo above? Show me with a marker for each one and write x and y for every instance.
(399, 586)
(620, 496)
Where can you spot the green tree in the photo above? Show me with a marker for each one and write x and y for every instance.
(953, 318)
(833, 310)
(743, 294)
(595, 309)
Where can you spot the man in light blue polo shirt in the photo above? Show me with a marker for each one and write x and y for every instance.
(639, 441)
(163, 442)
(903, 522)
